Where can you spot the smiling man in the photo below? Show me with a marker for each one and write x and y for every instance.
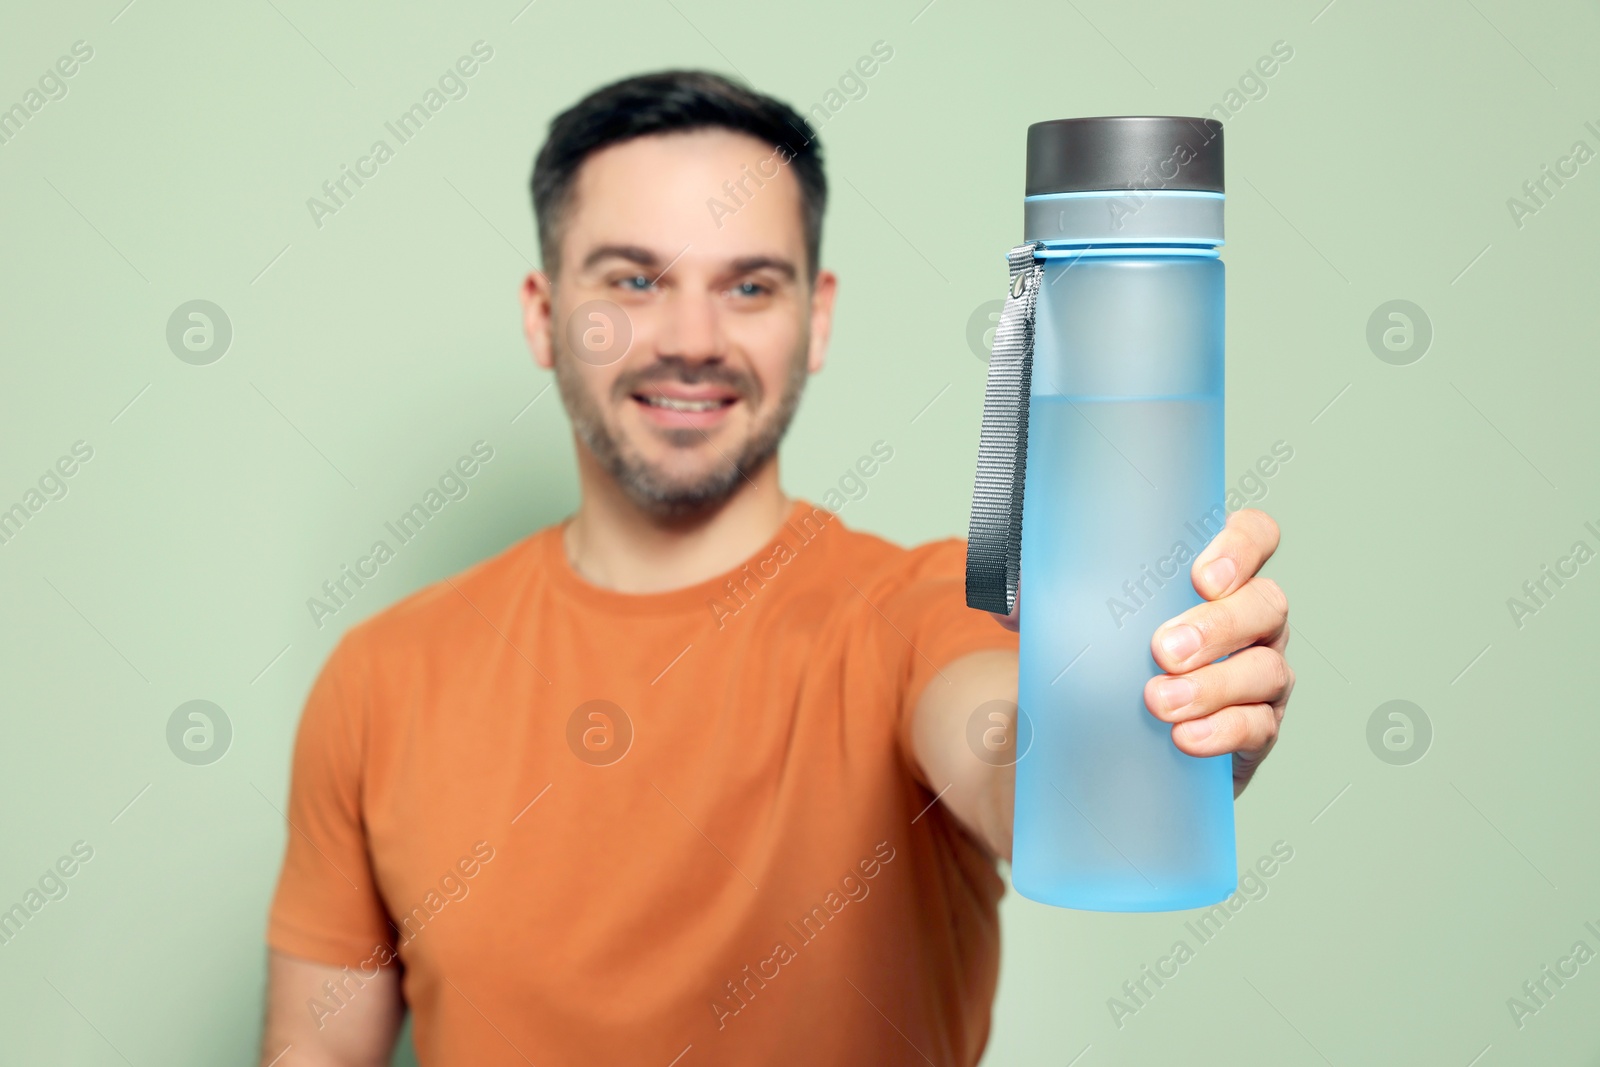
(567, 812)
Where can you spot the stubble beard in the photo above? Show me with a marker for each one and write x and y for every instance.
(649, 486)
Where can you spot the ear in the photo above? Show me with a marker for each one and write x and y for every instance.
(536, 294)
(822, 295)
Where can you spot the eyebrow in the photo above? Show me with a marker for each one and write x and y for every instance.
(648, 259)
(632, 253)
(773, 263)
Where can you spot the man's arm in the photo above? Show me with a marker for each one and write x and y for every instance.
(1233, 706)
(979, 793)
(356, 1030)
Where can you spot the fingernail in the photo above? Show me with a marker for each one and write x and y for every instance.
(1175, 692)
(1219, 573)
(1181, 642)
(1197, 729)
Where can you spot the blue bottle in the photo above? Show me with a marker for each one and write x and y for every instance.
(1123, 487)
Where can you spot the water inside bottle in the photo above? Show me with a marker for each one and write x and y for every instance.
(1121, 494)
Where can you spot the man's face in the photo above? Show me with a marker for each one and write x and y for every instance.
(681, 330)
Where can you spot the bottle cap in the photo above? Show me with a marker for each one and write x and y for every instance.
(1124, 152)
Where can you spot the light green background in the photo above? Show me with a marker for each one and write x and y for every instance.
(368, 354)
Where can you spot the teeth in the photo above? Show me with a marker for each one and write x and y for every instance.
(672, 404)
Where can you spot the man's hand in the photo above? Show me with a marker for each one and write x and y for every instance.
(1235, 705)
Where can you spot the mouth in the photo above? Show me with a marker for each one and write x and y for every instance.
(680, 408)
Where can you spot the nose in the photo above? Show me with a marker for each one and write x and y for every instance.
(690, 327)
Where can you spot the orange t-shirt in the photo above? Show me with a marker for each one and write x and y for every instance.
(676, 828)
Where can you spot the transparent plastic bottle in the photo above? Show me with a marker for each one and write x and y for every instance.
(1124, 487)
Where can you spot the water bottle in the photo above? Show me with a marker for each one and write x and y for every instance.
(1120, 454)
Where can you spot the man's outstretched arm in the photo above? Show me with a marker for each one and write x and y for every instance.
(360, 1033)
(1234, 706)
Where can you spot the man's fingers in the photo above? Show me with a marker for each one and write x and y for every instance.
(1234, 705)
(1247, 730)
(1255, 675)
(1233, 557)
(1255, 613)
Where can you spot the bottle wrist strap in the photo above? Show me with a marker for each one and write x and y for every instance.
(994, 534)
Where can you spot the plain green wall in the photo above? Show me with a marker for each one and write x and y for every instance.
(367, 354)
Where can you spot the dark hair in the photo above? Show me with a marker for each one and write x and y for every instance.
(665, 102)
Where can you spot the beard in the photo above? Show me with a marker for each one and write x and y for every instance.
(651, 486)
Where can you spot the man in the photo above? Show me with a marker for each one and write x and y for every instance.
(684, 778)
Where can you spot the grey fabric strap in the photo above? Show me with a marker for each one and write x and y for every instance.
(994, 535)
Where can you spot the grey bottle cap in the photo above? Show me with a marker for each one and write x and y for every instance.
(1124, 152)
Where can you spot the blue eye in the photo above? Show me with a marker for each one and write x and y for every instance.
(643, 283)
(750, 289)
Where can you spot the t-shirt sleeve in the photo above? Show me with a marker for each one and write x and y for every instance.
(930, 611)
(327, 907)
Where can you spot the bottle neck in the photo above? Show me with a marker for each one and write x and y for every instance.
(1139, 221)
